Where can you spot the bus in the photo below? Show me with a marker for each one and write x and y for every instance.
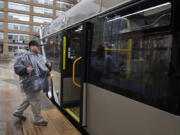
(116, 66)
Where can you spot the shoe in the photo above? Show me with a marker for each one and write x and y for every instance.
(21, 117)
(41, 123)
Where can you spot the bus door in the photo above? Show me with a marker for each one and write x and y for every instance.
(72, 71)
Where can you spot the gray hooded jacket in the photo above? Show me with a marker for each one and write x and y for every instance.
(24, 59)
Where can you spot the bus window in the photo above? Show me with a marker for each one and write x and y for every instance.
(157, 16)
(52, 49)
(131, 54)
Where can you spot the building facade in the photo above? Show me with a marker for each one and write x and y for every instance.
(20, 21)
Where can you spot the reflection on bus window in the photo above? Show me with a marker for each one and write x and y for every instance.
(123, 56)
(52, 51)
(52, 48)
(75, 42)
(157, 16)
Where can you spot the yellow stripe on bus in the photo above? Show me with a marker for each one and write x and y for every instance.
(72, 114)
(129, 59)
(64, 53)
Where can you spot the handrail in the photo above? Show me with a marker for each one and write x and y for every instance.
(73, 74)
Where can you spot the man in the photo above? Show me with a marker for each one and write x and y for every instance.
(31, 67)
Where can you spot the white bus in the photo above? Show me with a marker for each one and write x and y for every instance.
(116, 66)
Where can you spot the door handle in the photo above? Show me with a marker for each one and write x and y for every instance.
(73, 74)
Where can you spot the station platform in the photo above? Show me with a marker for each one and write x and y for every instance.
(11, 97)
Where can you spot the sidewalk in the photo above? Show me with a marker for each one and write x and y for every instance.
(8, 80)
(10, 98)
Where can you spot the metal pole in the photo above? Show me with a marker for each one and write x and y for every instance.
(43, 52)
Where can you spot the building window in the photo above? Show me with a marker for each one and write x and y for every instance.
(18, 38)
(1, 4)
(1, 48)
(58, 13)
(44, 2)
(63, 5)
(17, 6)
(1, 14)
(42, 19)
(1, 25)
(15, 26)
(36, 29)
(21, 17)
(41, 10)
(26, 0)
(1, 35)
(35, 38)
(13, 47)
